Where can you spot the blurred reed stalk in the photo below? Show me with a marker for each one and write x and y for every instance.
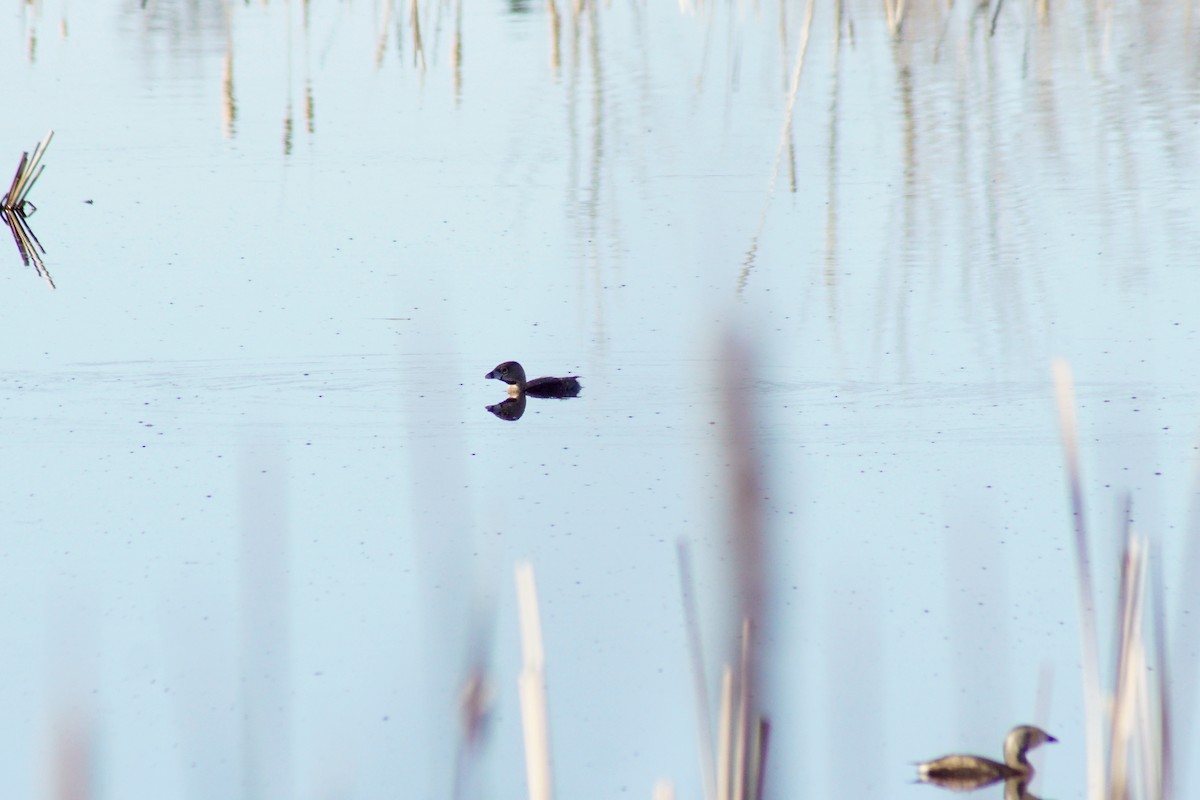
(691, 617)
(749, 736)
(555, 33)
(734, 767)
(663, 790)
(16, 201)
(74, 761)
(1139, 729)
(531, 687)
(894, 11)
(475, 700)
(1136, 762)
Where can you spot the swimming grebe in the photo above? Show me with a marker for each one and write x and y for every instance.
(965, 772)
(513, 374)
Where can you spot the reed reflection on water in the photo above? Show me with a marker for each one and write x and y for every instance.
(28, 247)
(987, 102)
(1002, 125)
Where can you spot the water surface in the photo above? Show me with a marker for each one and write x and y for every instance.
(258, 520)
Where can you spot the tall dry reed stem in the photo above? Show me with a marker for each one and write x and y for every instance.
(748, 545)
(725, 735)
(1065, 393)
(733, 762)
(1139, 760)
(1166, 736)
(28, 171)
(1138, 763)
(738, 768)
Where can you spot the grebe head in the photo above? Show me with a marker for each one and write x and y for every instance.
(1021, 740)
(510, 372)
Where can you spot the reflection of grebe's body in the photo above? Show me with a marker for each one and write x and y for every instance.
(513, 374)
(965, 772)
(511, 409)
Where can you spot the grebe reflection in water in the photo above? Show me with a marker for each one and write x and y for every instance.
(510, 409)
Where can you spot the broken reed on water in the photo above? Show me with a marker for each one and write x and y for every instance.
(28, 171)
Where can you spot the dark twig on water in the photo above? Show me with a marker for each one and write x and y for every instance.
(995, 16)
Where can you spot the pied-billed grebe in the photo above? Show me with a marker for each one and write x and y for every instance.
(965, 772)
(513, 374)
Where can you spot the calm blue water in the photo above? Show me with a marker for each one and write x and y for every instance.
(258, 523)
